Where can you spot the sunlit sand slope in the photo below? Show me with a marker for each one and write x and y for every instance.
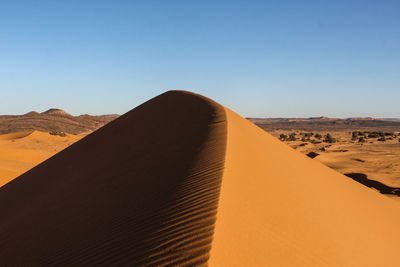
(142, 190)
(280, 208)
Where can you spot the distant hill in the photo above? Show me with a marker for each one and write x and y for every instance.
(325, 123)
(53, 120)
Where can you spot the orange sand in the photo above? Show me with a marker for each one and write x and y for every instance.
(22, 151)
(181, 180)
(280, 208)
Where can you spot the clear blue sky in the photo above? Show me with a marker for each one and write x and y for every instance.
(260, 58)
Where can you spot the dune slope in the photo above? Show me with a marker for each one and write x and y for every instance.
(181, 180)
(142, 190)
(21, 151)
(278, 207)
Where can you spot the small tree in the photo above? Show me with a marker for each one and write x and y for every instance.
(62, 134)
(329, 138)
(308, 135)
(373, 135)
(292, 137)
(283, 137)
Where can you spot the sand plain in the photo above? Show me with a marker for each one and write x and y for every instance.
(379, 161)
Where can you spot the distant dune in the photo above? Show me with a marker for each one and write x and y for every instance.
(21, 151)
(181, 180)
(53, 120)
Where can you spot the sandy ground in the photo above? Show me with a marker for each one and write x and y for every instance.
(182, 181)
(378, 160)
(280, 208)
(20, 152)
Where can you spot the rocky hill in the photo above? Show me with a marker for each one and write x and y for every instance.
(53, 120)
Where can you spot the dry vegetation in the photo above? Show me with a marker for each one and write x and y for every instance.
(362, 146)
(372, 153)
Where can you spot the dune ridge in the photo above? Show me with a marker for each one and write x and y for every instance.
(142, 191)
(181, 180)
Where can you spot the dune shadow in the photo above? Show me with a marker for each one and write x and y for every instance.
(382, 188)
(312, 154)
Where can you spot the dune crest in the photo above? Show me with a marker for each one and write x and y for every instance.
(142, 190)
(181, 180)
(17, 135)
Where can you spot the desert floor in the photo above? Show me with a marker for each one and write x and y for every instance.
(21, 151)
(378, 160)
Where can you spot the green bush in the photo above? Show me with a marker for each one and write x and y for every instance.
(373, 135)
(308, 135)
(292, 137)
(329, 138)
(62, 134)
(283, 137)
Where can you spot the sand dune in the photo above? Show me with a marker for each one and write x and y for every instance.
(21, 151)
(142, 190)
(280, 208)
(181, 180)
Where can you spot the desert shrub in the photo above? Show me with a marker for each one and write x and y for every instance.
(329, 138)
(382, 139)
(354, 135)
(373, 135)
(389, 134)
(318, 136)
(62, 134)
(283, 137)
(361, 140)
(308, 135)
(292, 137)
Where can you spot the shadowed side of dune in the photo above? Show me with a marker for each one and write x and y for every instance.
(142, 190)
(381, 187)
